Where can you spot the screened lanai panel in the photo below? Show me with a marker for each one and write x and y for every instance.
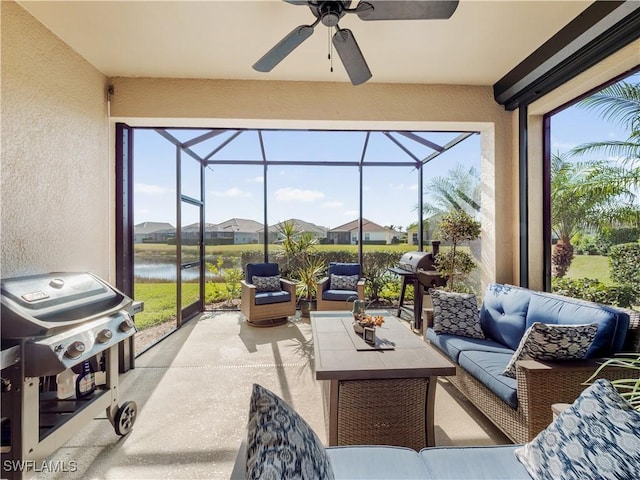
(313, 145)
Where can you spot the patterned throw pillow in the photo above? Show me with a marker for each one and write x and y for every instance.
(544, 341)
(597, 437)
(344, 282)
(266, 284)
(455, 313)
(280, 444)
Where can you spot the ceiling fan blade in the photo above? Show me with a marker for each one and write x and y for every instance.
(406, 9)
(351, 56)
(297, 2)
(283, 48)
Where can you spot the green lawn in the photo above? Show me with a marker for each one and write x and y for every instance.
(591, 266)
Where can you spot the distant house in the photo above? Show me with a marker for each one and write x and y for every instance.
(242, 231)
(153, 232)
(274, 230)
(429, 227)
(347, 234)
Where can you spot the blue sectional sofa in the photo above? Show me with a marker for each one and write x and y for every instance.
(521, 406)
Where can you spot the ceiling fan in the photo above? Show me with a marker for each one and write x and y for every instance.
(330, 13)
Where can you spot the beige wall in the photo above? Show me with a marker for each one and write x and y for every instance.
(270, 104)
(57, 180)
(55, 194)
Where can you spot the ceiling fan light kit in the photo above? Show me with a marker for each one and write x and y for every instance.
(329, 13)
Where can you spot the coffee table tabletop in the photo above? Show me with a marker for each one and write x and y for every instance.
(336, 356)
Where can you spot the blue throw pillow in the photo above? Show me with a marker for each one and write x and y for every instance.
(597, 437)
(344, 282)
(280, 444)
(266, 284)
(553, 342)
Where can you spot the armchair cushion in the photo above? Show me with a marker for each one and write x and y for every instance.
(265, 298)
(344, 269)
(260, 270)
(596, 437)
(266, 284)
(340, 295)
(344, 282)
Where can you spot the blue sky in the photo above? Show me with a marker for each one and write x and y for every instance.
(326, 196)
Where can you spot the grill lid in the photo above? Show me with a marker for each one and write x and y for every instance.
(412, 261)
(38, 305)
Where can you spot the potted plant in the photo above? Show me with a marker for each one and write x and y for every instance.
(304, 267)
(629, 388)
(455, 264)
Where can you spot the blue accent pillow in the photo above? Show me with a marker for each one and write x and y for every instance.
(266, 284)
(597, 437)
(344, 282)
(553, 342)
(455, 313)
(280, 444)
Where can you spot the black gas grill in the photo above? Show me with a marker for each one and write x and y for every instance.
(54, 322)
(417, 269)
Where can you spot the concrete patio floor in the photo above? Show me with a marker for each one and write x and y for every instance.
(192, 392)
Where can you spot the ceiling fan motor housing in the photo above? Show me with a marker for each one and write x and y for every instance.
(330, 12)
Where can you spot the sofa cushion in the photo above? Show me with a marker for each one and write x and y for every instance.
(343, 282)
(452, 345)
(487, 368)
(491, 462)
(455, 313)
(556, 309)
(340, 295)
(266, 284)
(376, 462)
(264, 298)
(280, 444)
(553, 342)
(597, 437)
(503, 313)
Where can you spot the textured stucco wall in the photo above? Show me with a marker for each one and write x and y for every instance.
(55, 193)
(223, 103)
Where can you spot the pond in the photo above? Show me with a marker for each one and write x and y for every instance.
(165, 272)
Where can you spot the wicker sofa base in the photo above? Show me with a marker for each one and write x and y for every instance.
(540, 385)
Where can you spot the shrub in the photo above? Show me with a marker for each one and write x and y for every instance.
(589, 245)
(624, 261)
(624, 295)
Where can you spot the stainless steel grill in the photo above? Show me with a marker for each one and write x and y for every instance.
(417, 269)
(54, 322)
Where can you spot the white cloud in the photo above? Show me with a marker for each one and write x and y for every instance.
(233, 192)
(333, 204)
(289, 194)
(561, 146)
(258, 179)
(396, 186)
(350, 213)
(413, 187)
(148, 189)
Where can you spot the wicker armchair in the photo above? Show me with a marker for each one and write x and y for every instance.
(267, 308)
(334, 299)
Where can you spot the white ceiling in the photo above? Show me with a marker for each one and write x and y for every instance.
(479, 44)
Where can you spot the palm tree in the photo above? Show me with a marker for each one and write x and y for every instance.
(619, 103)
(459, 190)
(583, 195)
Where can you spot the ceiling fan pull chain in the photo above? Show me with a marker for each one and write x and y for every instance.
(330, 48)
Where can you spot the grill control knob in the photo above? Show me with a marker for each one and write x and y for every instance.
(104, 335)
(74, 350)
(126, 325)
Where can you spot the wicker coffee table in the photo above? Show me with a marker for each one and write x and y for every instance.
(376, 396)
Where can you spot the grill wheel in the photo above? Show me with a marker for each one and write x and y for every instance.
(126, 417)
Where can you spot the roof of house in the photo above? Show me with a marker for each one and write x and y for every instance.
(301, 225)
(367, 226)
(151, 227)
(240, 225)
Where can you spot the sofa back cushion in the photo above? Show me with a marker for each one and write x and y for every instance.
(503, 313)
(556, 309)
(338, 268)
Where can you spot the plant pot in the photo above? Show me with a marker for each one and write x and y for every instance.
(306, 306)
